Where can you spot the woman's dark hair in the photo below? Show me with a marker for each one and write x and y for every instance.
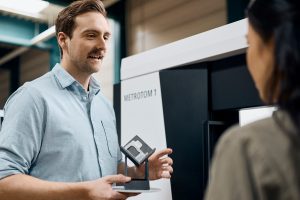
(279, 20)
(65, 21)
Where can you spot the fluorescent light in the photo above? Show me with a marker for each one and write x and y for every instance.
(50, 32)
(27, 6)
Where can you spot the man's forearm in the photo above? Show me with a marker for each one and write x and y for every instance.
(24, 187)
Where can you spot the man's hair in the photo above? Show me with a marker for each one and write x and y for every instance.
(65, 21)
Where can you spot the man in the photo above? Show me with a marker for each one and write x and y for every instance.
(58, 139)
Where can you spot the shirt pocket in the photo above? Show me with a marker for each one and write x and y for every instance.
(111, 138)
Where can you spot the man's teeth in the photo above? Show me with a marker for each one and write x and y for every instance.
(95, 57)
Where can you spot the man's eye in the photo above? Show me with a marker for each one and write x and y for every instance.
(91, 35)
(106, 36)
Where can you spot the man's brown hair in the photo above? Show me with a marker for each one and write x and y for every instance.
(65, 21)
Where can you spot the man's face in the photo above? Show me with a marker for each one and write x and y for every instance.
(87, 47)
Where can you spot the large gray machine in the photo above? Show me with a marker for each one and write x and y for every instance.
(183, 95)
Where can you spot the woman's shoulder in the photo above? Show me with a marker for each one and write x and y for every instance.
(268, 148)
(265, 140)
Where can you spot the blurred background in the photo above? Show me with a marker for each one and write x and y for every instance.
(28, 46)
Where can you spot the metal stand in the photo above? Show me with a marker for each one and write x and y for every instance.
(138, 184)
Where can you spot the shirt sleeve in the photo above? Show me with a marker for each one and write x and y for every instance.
(21, 133)
(231, 176)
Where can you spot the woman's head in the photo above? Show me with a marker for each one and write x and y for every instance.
(260, 59)
(274, 51)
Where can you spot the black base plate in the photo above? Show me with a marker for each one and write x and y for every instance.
(137, 184)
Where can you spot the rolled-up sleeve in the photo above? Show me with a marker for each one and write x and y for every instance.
(22, 132)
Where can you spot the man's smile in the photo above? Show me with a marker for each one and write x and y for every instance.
(95, 56)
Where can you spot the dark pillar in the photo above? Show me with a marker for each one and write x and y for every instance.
(236, 10)
(14, 67)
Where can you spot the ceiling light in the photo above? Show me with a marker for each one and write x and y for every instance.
(27, 6)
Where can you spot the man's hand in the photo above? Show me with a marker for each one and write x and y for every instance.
(160, 166)
(24, 187)
(102, 188)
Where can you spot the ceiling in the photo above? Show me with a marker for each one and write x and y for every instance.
(49, 14)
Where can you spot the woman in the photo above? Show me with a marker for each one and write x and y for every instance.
(262, 160)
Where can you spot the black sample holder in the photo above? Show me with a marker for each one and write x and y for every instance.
(138, 152)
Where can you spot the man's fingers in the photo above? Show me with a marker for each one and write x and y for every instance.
(117, 179)
(164, 152)
(165, 174)
(124, 195)
(168, 168)
(119, 195)
(167, 160)
(130, 194)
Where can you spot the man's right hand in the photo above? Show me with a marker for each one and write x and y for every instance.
(102, 188)
(24, 187)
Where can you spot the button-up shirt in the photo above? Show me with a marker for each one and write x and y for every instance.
(54, 130)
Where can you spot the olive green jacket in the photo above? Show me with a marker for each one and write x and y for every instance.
(257, 162)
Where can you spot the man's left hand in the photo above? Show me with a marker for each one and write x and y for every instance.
(160, 165)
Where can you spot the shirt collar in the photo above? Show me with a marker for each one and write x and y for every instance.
(94, 85)
(65, 79)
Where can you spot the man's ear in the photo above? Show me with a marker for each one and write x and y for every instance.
(62, 40)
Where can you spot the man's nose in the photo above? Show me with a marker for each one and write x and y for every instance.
(102, 44)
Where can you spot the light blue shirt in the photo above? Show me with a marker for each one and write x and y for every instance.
(54, 130)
